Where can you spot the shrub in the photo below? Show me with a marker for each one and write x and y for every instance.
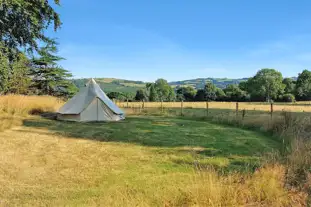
(286, 98)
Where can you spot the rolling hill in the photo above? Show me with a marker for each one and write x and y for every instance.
(131, 86)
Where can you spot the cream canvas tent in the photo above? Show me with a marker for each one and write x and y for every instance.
(90, 104)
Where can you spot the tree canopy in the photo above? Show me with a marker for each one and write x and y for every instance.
(303, 85)
(265, 85)
(23, 22)
(160, 90)
(49, 77)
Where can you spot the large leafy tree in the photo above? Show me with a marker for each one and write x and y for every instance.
(266, 84)
(160, 90)
(163, 89)
(116, 95)
(171, 95)
(19, 81)
(289, 85)
(200, 95)
(48, 76)
(23, 22)
(4, 71)
(186, 93)
(303, 85)
(13, 73)
(210, 91)
(220, 94)
(128, 96)
(234, 93)
(140, 95)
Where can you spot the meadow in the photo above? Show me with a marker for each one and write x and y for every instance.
(303, 106)
(155, 157)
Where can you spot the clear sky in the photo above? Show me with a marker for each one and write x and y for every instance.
(184, 39)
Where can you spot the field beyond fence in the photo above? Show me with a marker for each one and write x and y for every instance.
(254, 106)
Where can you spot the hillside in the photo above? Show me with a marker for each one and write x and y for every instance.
(200, 82)
(130, 86)
(113, 85)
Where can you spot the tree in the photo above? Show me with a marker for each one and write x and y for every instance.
(4, 72)
(48, 77)
(243, 85)
(116, 95)
(220, 94)
(140, 95)
(186, 93)
(160, 91)
(286, 98)
(13, 73)
(303, 86)
(22, 22)
(171, 95)
(210, 91)
(265, 85)
(152, 96)
(19, 81)
(200, 96)
(128, 96)
(289, 85)
(234, 93)
(163, 89)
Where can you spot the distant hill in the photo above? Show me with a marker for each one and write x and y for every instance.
(130, 86)
(113, 85)
(200, 82)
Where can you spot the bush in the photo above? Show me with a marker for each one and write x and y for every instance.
(287, 98)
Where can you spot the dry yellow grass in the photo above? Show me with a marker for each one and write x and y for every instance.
(24, 105)
(39, 167)
(14, 108)
(298, 107)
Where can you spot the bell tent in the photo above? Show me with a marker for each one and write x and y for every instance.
(90, 104)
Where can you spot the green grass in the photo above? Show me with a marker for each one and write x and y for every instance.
(187, 142)
(142, 161)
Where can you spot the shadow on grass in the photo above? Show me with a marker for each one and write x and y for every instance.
(172, 136)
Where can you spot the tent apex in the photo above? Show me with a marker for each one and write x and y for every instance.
(91, 81)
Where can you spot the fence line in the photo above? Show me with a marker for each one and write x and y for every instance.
(237, 106)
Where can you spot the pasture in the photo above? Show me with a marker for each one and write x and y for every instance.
(303, 106)
(149, 159)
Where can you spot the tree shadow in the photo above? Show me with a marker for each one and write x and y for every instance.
(170, 134)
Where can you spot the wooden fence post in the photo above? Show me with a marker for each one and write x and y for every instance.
(182, 108)
(271, 110)
(207, 108)
(236, 108)
(127, 103)
(143, 106)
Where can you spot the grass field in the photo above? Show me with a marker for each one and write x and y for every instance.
(249, 106)
(147, 160)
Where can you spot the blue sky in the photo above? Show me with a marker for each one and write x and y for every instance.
(181, 39)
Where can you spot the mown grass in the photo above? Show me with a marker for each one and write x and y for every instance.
(189, 141)
(139, 162)
(143, 161)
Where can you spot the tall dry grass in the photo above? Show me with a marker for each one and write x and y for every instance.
(24, 105)
(14, 107)
(298, 107)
